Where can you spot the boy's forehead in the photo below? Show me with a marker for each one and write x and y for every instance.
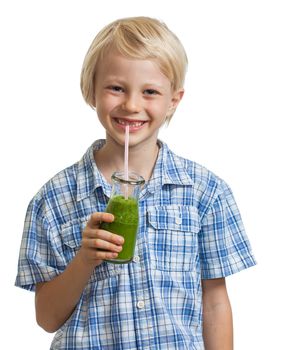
(115, 63)
(115, 58)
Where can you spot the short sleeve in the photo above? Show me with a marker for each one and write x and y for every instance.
(223, 244)
(39, 259)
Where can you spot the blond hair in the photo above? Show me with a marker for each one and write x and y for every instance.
(139, 38)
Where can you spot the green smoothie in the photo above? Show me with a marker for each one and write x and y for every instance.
(125, 224)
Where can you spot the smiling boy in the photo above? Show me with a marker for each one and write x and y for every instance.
(135, 92)
(173, 294)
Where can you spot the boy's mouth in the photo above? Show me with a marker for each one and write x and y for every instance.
(130, 122)
(133, 124)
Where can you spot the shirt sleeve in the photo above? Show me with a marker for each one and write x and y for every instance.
(223, 244)
(38, 258)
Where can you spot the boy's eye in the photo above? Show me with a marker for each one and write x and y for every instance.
(116, 88)
(151, 92)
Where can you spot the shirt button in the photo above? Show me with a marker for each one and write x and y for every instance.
(178, 221)
(136, 259)
(140, 304)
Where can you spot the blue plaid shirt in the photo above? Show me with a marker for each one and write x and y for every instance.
(190, 229)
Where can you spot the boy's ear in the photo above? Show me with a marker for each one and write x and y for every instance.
(176, 98)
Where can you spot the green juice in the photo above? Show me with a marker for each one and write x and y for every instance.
(125, 224)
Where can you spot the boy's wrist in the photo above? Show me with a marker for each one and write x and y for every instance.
(84, 262)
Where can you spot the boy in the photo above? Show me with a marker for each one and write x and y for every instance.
(172, 295)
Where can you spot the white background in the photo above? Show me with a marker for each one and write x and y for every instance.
(231, 120)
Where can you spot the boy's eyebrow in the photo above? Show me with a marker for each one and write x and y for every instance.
(115, 79)
(159, 86)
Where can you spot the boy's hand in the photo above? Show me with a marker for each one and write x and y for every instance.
(97, 244)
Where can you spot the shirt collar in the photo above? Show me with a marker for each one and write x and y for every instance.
(169, 169)
(88, 175)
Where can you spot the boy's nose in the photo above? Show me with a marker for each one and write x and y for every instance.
(132, 103)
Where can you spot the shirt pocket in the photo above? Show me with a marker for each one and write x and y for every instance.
(173, 237)
(72, 236)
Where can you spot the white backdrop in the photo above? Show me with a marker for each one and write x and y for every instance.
(231, 120)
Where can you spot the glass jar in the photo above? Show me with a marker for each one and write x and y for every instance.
(123, 204)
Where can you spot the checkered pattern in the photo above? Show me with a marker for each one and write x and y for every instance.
(190, 228)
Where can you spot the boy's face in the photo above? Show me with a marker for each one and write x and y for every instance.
(134, 92)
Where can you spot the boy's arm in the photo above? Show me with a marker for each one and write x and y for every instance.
(56, 300)
(217, 316)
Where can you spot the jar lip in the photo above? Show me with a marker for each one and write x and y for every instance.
(133, 178)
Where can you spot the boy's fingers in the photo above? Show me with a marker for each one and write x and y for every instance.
(105, 236)
(104, 245)
(97, 218)
(103, 255)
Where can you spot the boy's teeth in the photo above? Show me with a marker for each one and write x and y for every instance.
(125, 122)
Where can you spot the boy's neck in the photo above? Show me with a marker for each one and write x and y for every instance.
(110, 158)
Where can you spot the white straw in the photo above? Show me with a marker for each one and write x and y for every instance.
(126, 155)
